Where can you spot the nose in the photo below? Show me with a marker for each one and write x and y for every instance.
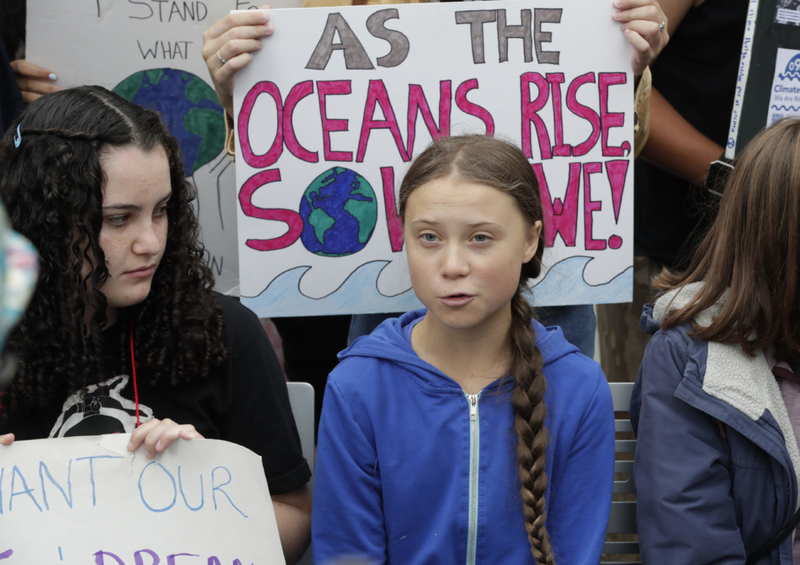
(455, 263)
(148, 240)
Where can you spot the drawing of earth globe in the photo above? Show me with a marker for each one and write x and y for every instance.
(339, 210)
(188, 106)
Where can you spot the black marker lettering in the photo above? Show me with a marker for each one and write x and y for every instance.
(146, 5)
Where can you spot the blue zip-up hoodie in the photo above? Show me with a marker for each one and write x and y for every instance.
(410, 472)
(716, 457)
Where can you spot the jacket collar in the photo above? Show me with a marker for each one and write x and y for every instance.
(743, 382)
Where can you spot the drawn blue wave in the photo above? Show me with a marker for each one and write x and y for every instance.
(564, 284)
(786, 108)
(358, 294)
(791, 75)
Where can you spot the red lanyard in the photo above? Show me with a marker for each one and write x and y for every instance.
(135, 389)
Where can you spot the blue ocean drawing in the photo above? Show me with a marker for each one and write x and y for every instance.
(358, 294)
(786, 108)
(564, 284)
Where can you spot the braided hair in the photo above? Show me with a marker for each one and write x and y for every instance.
(492, 162)
(52, 186)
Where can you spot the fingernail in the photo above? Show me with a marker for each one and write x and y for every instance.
(53, 76)
(618, 3)
(259, 43)
(130, 446)
(264, 16)
(159, 446)
(269, 29)
(617, 15)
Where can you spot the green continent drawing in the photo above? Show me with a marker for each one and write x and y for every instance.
(187, 105)
(339, 210)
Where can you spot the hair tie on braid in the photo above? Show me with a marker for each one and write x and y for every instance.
(17, 137)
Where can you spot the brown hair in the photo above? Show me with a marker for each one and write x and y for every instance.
(752, 249)
(496, 163)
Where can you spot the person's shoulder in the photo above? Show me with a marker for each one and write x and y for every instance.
(576, 376)
(574, 382)
(241, 325)
(234, 312)
(357, 373)
(563, 363)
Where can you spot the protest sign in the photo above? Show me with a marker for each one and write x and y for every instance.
(149, 52)
(334, 107)
(88, 500)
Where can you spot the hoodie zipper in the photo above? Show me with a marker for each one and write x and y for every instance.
(474, 460)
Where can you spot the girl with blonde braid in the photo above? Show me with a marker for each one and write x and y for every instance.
(466, 432)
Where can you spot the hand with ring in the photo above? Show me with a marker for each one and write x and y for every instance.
(645, 25)
(228, 46)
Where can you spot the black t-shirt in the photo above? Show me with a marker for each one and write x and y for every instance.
(696, 73)
(244, 401)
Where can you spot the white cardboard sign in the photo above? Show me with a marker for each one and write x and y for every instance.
(333, 108)
(150, 51)
(88, 500)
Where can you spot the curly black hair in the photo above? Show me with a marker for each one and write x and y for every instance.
(52, 187)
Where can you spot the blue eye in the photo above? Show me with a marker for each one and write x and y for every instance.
(428, 237)
(118, 221)
(162, 211)
(481, 238)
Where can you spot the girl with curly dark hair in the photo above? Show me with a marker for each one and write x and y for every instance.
(124, 327)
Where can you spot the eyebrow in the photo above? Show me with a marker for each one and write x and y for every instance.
(473, 225)
(134, 206)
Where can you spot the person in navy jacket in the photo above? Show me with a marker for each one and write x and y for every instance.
(715, 406)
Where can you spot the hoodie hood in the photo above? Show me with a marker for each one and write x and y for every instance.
(388, 342)
(675, 299)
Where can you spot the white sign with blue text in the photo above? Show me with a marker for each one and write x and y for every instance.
(88, 500)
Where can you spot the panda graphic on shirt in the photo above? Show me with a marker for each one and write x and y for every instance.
(99, 409)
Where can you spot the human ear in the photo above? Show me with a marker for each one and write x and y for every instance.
(532, 241)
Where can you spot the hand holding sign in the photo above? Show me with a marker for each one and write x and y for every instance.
(645, 26)
(157, 435)
(228, 46)
(33, 81)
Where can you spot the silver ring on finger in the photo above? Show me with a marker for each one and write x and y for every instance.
(661, 27)
(223, 61)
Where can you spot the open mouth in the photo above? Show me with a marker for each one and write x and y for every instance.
(456, 299)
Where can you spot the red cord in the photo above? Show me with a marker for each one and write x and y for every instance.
(135, 389)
